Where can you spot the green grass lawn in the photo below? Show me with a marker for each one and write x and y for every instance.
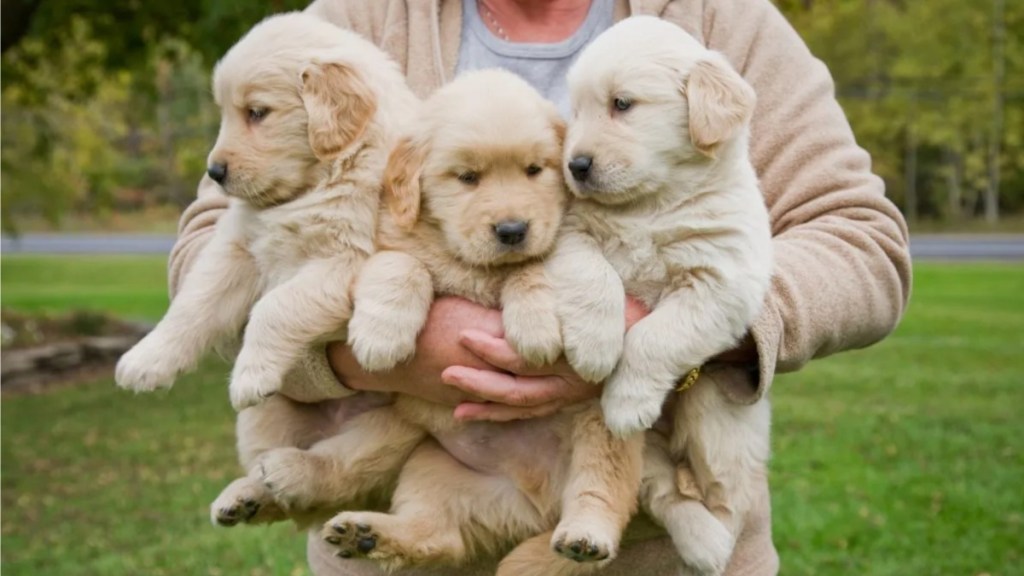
(133, 286)
(907, 458)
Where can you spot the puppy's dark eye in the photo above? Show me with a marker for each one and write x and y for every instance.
(533, 169)
(257, 114)
(622, 104)
(469, 177)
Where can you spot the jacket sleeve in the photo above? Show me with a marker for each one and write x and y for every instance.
(312, 378)
(842, 266)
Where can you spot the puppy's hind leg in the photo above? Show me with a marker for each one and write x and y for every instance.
(277, 423)
(727, 447)
(359, 461)
(311, 305)
(442, 513)
(601, 491)
(670, 495)
(247, 501)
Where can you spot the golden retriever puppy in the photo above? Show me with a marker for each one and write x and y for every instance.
(309, 113)
(476, 198)
(667, 208)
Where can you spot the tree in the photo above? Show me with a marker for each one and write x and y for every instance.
(922, 85)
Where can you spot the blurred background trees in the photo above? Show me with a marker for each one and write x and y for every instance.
(935, 91)
(106, 104)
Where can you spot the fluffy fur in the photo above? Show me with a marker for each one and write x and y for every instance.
(308, 116)
(485, 155)
(667, 209)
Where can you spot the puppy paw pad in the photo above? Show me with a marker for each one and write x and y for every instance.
(352, 539)
(581, 549)
(239, 511)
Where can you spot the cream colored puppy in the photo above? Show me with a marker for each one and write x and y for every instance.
(476, 197)
(308, 114)
(667, 201)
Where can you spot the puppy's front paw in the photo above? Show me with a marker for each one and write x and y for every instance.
(582, 544)
(252, 383)
(592, 351)
(630, 403)
(533, 333)
(148, 366)
(380, 342)
(290, 475)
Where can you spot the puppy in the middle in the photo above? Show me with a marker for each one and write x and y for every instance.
(474, 200)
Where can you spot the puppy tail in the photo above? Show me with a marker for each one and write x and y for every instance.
(534, 557)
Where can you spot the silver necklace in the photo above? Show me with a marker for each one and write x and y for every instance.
(494, 21)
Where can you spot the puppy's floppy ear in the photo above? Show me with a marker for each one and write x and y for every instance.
(402, 182)
(339, 105)
(720, 103)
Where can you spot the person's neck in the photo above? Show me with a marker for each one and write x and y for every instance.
(542, 21)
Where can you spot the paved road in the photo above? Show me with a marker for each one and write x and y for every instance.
(967, 247)
(88, 244)
(922, 247)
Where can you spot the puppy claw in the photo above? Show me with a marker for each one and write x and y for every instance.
(582, 547)
(241, 502)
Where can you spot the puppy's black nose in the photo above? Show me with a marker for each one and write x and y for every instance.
(218, 172)
(580, 167)
(511, 232)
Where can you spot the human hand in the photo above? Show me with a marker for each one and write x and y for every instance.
(437, 348)
(515, 390)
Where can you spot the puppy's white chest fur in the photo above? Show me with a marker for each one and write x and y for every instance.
(636, 245)
(318, 225)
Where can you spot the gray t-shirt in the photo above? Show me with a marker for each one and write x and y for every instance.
(542, 65)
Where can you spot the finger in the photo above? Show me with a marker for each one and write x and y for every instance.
(493, 412)
(498, 353)
(508, 389)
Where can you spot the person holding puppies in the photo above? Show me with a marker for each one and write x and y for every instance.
(841, 276)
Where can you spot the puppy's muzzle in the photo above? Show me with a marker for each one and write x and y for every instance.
(580, 167)
(218, 171)
(511, 232)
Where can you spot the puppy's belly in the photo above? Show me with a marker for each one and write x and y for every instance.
(531, 452)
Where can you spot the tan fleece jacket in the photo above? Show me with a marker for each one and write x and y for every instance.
(842, 275)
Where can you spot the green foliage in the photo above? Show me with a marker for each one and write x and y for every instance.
(106, 104)
(918, 81)
(80, 137)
